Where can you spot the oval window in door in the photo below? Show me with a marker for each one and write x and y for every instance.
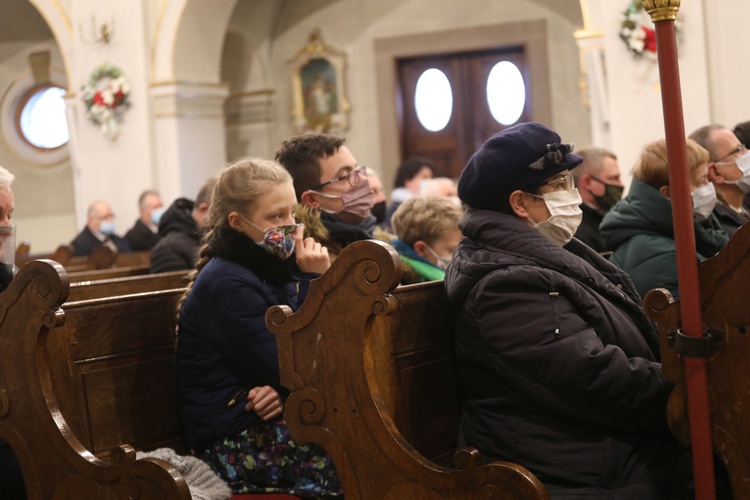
(506, 92)
(433, 100)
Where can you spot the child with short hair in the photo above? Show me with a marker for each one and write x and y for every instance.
(428, 233)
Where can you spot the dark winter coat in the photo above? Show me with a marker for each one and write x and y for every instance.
(559, 363)
(223, 344)
(86, 241)
(640, 232)
(730, 219)
(141, 237)
(588, 231)
(178, 247)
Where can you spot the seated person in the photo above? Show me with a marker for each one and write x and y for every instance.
(11, 480)
(252, 257)
(598, 182)
(558, 361)
(180, 232)
(409, 177)
(145, 233)
(729, 171)
(379, 208)
(440, 186)
(99, 230)
(428, 234)
(333, 190)
(639, 228)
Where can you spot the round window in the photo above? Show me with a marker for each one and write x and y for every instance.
(40, 117)
(506, 92)
(433, 100)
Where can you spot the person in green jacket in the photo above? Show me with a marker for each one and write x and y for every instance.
(427, 235)
(639, 228)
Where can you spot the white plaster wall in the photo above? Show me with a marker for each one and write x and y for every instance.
(634, 88)
(352, 25)
(44, 213)
(726, 33)
(116, 171)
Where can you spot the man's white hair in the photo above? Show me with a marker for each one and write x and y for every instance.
(6, 178)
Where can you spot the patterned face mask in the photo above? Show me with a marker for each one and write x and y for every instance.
(279, 240)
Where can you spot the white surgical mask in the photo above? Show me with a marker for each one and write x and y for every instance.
(704, 200)
(565, 215)
(743, 163)
(442, 262)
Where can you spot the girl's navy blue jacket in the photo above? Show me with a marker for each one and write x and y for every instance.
(223, 345)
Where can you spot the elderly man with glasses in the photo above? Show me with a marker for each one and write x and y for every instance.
(332, 189)
(729, 171)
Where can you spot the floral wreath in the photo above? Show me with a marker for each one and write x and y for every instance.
(637, 31)
(105, 96)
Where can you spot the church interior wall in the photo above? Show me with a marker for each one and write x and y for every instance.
(211, 83)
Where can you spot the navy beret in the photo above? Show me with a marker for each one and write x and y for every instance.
(519, 157)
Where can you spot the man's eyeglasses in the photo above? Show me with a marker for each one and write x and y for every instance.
(736, 152)
(353, 178)
(564, 182)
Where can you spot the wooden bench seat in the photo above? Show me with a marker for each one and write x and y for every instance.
(371, 375)
(56, 454)
(724, 289)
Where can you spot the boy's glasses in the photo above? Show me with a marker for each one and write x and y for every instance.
(353, 178)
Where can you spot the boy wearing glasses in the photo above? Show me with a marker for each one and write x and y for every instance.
(729, 171)
(333, 191)
(557, 358)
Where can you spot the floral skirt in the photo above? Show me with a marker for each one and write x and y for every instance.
(264, 459)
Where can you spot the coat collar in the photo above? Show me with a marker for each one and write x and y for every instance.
(240, 249)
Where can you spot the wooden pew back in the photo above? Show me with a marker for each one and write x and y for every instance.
(359, 357)
(724, 289)
(113, 361)
(110, 287)
(53, 458)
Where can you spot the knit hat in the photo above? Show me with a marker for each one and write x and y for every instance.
(520, 157)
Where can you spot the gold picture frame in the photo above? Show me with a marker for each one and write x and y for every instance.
(319, 99)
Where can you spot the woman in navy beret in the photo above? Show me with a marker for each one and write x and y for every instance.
(559, 362)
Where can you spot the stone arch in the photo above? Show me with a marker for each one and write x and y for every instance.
(61, 27)
(179, 55)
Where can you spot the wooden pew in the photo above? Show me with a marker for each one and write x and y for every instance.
(724, 289)
(370, 370)
(109, 287)
(113, 272)
(53, 429)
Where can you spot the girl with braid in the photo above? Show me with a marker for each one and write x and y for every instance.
(252, 256)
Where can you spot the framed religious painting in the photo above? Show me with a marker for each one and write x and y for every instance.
(319, 100)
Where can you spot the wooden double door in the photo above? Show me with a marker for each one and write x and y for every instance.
(471, 121)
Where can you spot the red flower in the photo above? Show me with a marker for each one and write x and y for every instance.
(649, 40)
(98, 99)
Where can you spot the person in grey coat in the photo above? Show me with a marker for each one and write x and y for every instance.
(559, 363)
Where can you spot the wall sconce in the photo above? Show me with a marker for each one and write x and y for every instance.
(103, 34)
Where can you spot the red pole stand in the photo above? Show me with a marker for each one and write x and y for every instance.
(687, 266)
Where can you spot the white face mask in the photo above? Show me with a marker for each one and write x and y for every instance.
(565, 215)
(704, 200)
(442, 262)
(743, 163)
